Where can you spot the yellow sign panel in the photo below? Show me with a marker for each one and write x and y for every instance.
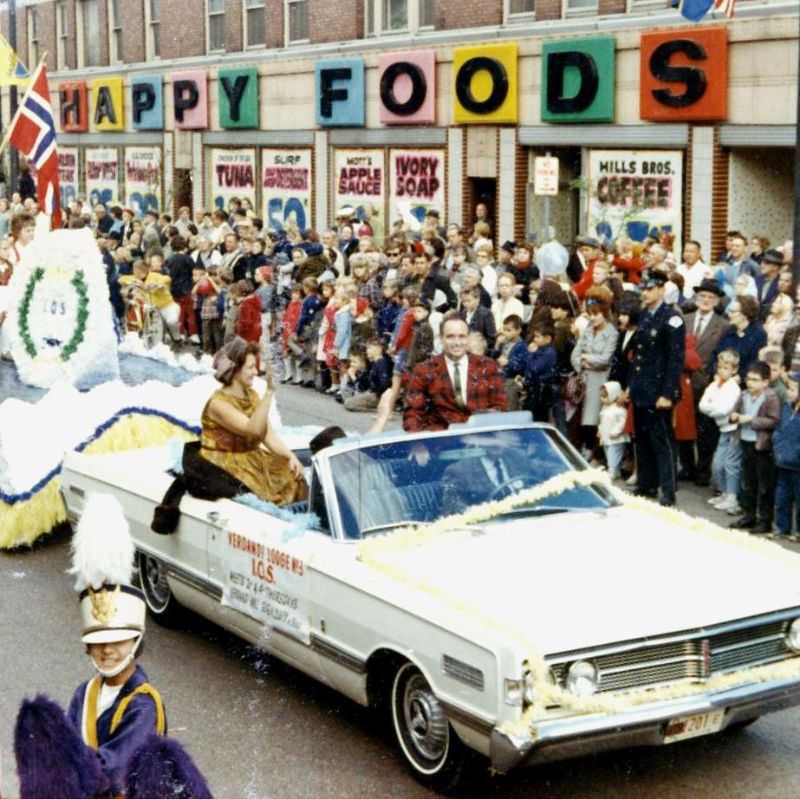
(108, 111)
(485, 84)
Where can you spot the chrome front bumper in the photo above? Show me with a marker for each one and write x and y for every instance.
(574, 736)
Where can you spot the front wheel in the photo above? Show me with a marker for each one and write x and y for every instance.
(158, 597)
(432, 750)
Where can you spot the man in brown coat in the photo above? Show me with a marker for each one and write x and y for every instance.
(707, 327)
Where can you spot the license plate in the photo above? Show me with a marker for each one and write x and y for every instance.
(692, 726)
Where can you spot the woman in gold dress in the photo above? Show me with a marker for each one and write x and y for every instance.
(236, 435)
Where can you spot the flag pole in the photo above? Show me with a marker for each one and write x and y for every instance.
(11, 124)
(12, 95)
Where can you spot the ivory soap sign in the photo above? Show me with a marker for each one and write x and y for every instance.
(361, 183)
(233, 174)
(102, 175)
(417, 185)
(286, 188)
(635, 193)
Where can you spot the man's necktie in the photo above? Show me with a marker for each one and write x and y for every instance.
(457, 385)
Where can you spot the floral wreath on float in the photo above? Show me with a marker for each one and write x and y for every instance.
(60, 318)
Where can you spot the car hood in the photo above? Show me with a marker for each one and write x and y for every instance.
(576, 580)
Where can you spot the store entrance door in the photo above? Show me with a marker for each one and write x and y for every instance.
(181, 189)
(481, 190)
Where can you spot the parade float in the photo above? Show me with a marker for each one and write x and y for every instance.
(83, 390)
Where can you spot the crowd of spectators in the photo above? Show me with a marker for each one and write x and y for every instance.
(353, 317)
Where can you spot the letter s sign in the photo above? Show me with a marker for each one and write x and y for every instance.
(684, 75)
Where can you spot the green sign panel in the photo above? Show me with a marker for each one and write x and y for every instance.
(578, 80)
(238, 98)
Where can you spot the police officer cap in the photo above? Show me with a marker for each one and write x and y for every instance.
(772, 257)
(586, 241)
(654, 279)
(509, 246)
(710, 285)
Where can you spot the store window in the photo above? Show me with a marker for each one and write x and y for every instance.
(152, 10)
(216, 25)
(88, 34)
(296, 21)
(519, 10)
(62, 32)
(394, 16)
(33, 38)
(115, 31)
(254, 23)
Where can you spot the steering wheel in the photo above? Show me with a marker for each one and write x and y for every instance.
(498, 492)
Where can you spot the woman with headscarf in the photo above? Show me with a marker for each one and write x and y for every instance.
(236, 435)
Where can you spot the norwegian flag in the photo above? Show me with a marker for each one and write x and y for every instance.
(33, 133)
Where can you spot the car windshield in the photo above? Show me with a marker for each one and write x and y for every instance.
(390, 485)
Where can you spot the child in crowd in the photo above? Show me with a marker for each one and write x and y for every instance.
(135, 296)
(198, 274)
(506, 303)
(718, 402)
(479, 319)
(421, 334)
(343, 323)
(476, 343)
(773, 356)
(611, 430)
(207, 289)
(379, 378)
(388, 310)
(327, 336)
(231, 317)
(512, 358)
(303, 336)
(179, 268)
(757, 412)
(248, 325)
(291, 316)
(786, 449)
(540, 373)
(356, 379)
(266, 295)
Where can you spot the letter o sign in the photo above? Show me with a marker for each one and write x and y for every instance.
(485, 87)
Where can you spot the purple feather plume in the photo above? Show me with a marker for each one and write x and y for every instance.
(162, 769)
(52, 759)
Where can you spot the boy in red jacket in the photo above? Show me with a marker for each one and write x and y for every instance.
(248, 325)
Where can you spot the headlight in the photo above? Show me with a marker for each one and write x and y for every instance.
(793, 636)
(582, 678)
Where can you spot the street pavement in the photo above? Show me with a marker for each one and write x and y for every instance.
(261, 730)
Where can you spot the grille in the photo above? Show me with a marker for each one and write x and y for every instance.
(697, 657)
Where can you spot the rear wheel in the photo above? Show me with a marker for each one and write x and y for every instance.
(432, 750)
(161, 603)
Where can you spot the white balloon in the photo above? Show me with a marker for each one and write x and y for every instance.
(552, 258)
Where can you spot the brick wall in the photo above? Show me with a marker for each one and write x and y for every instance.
(687, 192)
(183, 28)
(102, 16)
(47, 33)
(335, 22)
(548, 9)
(234, 27)
(275, 23)
(605, 7)
(133, 33)
(719, 197)
(72, 40)
(520, 194)
(449, 14)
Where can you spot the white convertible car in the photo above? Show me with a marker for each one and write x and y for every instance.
(484, 587)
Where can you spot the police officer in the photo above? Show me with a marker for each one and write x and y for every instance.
(658, 354)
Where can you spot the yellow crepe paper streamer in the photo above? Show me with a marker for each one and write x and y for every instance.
(22, 523)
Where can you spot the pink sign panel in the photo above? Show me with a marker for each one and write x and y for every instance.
(408, 88)
(190, 99)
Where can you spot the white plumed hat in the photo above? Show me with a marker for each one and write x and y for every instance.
(102, 562)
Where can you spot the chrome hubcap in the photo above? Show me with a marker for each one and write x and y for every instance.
(154, 579)
(425, 719)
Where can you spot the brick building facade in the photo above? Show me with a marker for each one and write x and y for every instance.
(730, 160)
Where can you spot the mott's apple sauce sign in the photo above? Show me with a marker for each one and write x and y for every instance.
(683, 76)
(635, 194)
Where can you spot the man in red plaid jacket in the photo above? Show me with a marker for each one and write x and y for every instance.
(449, 388)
